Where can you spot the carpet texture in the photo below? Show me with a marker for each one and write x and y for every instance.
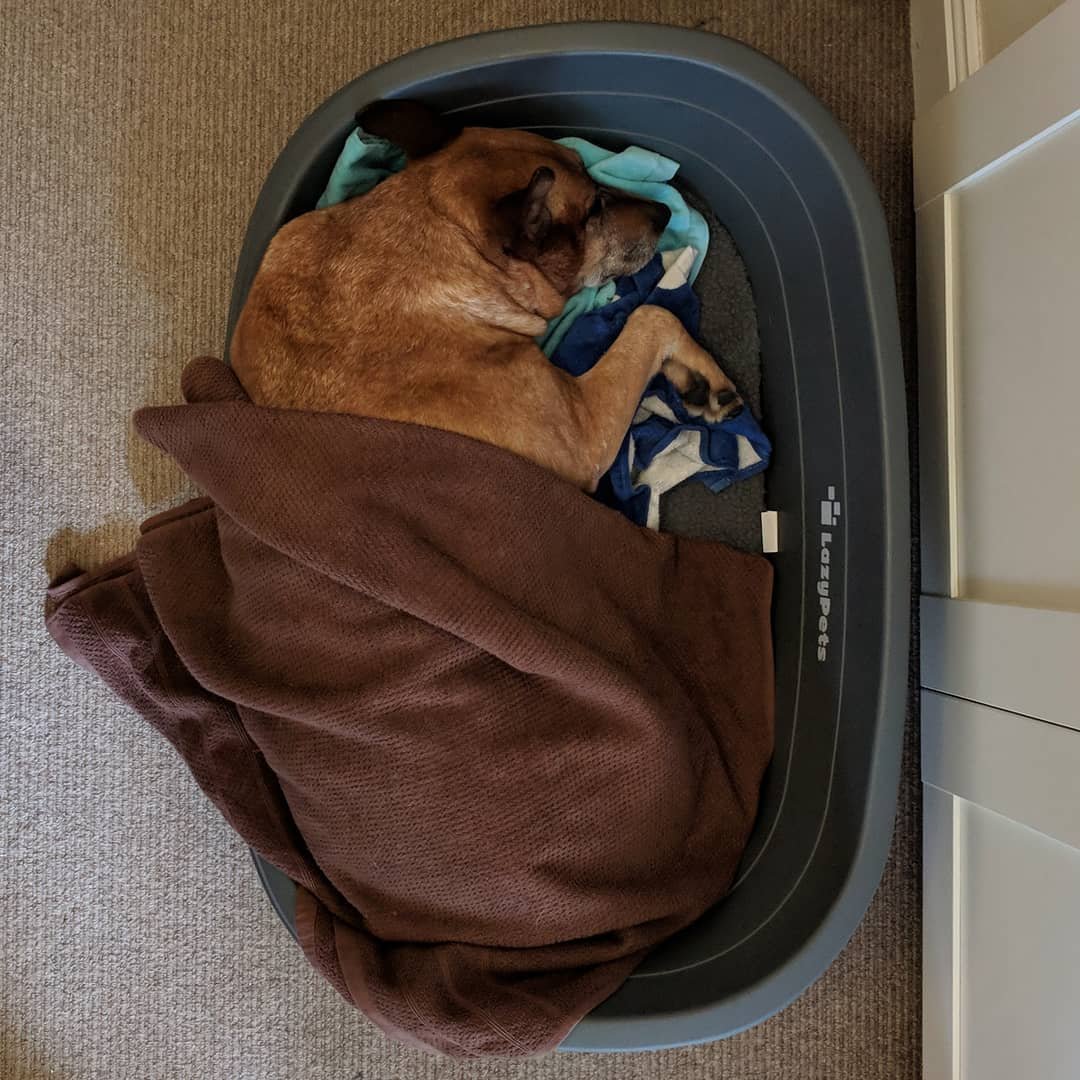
(134, 139)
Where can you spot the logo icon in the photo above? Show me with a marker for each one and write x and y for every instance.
(830, 508)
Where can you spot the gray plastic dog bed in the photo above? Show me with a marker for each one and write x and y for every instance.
(781, 176)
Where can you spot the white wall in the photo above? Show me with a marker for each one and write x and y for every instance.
(952, 39)
(1001, 22)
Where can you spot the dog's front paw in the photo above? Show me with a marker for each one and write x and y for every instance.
(710, 401)
(706, 391)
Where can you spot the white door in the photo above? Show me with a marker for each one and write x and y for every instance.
(997, 194)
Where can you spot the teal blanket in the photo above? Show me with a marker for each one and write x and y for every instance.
(366, 160)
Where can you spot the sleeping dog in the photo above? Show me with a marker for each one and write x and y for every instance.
(421, 300)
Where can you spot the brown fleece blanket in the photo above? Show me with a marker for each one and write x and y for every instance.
(504, 740)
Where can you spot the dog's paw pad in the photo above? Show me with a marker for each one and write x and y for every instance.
(697, 393)
(702, 400)
(726, 404)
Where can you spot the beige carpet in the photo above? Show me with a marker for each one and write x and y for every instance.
(134, 941)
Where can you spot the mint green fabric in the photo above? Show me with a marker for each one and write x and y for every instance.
(366, 160)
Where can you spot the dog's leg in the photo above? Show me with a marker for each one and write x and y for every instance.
(652, 339)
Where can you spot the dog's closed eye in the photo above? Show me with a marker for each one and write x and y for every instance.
(599, 203)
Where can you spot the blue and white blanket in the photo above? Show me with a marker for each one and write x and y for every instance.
(665, 444)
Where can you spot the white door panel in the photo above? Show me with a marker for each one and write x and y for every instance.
(1019, 950)
(1001, 955)
(1017, 356)
(997, 180)
(997, 172)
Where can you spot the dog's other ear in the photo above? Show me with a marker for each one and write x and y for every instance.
(413, 126)
(525, 213)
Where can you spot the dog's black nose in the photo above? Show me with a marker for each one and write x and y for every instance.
(660, 216)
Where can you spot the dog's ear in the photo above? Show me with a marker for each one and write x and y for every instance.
(525, 214)
(535, 215)
(413, 126)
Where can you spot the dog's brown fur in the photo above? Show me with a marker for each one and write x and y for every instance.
(420, 301)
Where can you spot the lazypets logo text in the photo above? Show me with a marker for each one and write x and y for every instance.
(830, 518)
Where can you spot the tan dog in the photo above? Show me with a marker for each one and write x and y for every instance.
(420, 300)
